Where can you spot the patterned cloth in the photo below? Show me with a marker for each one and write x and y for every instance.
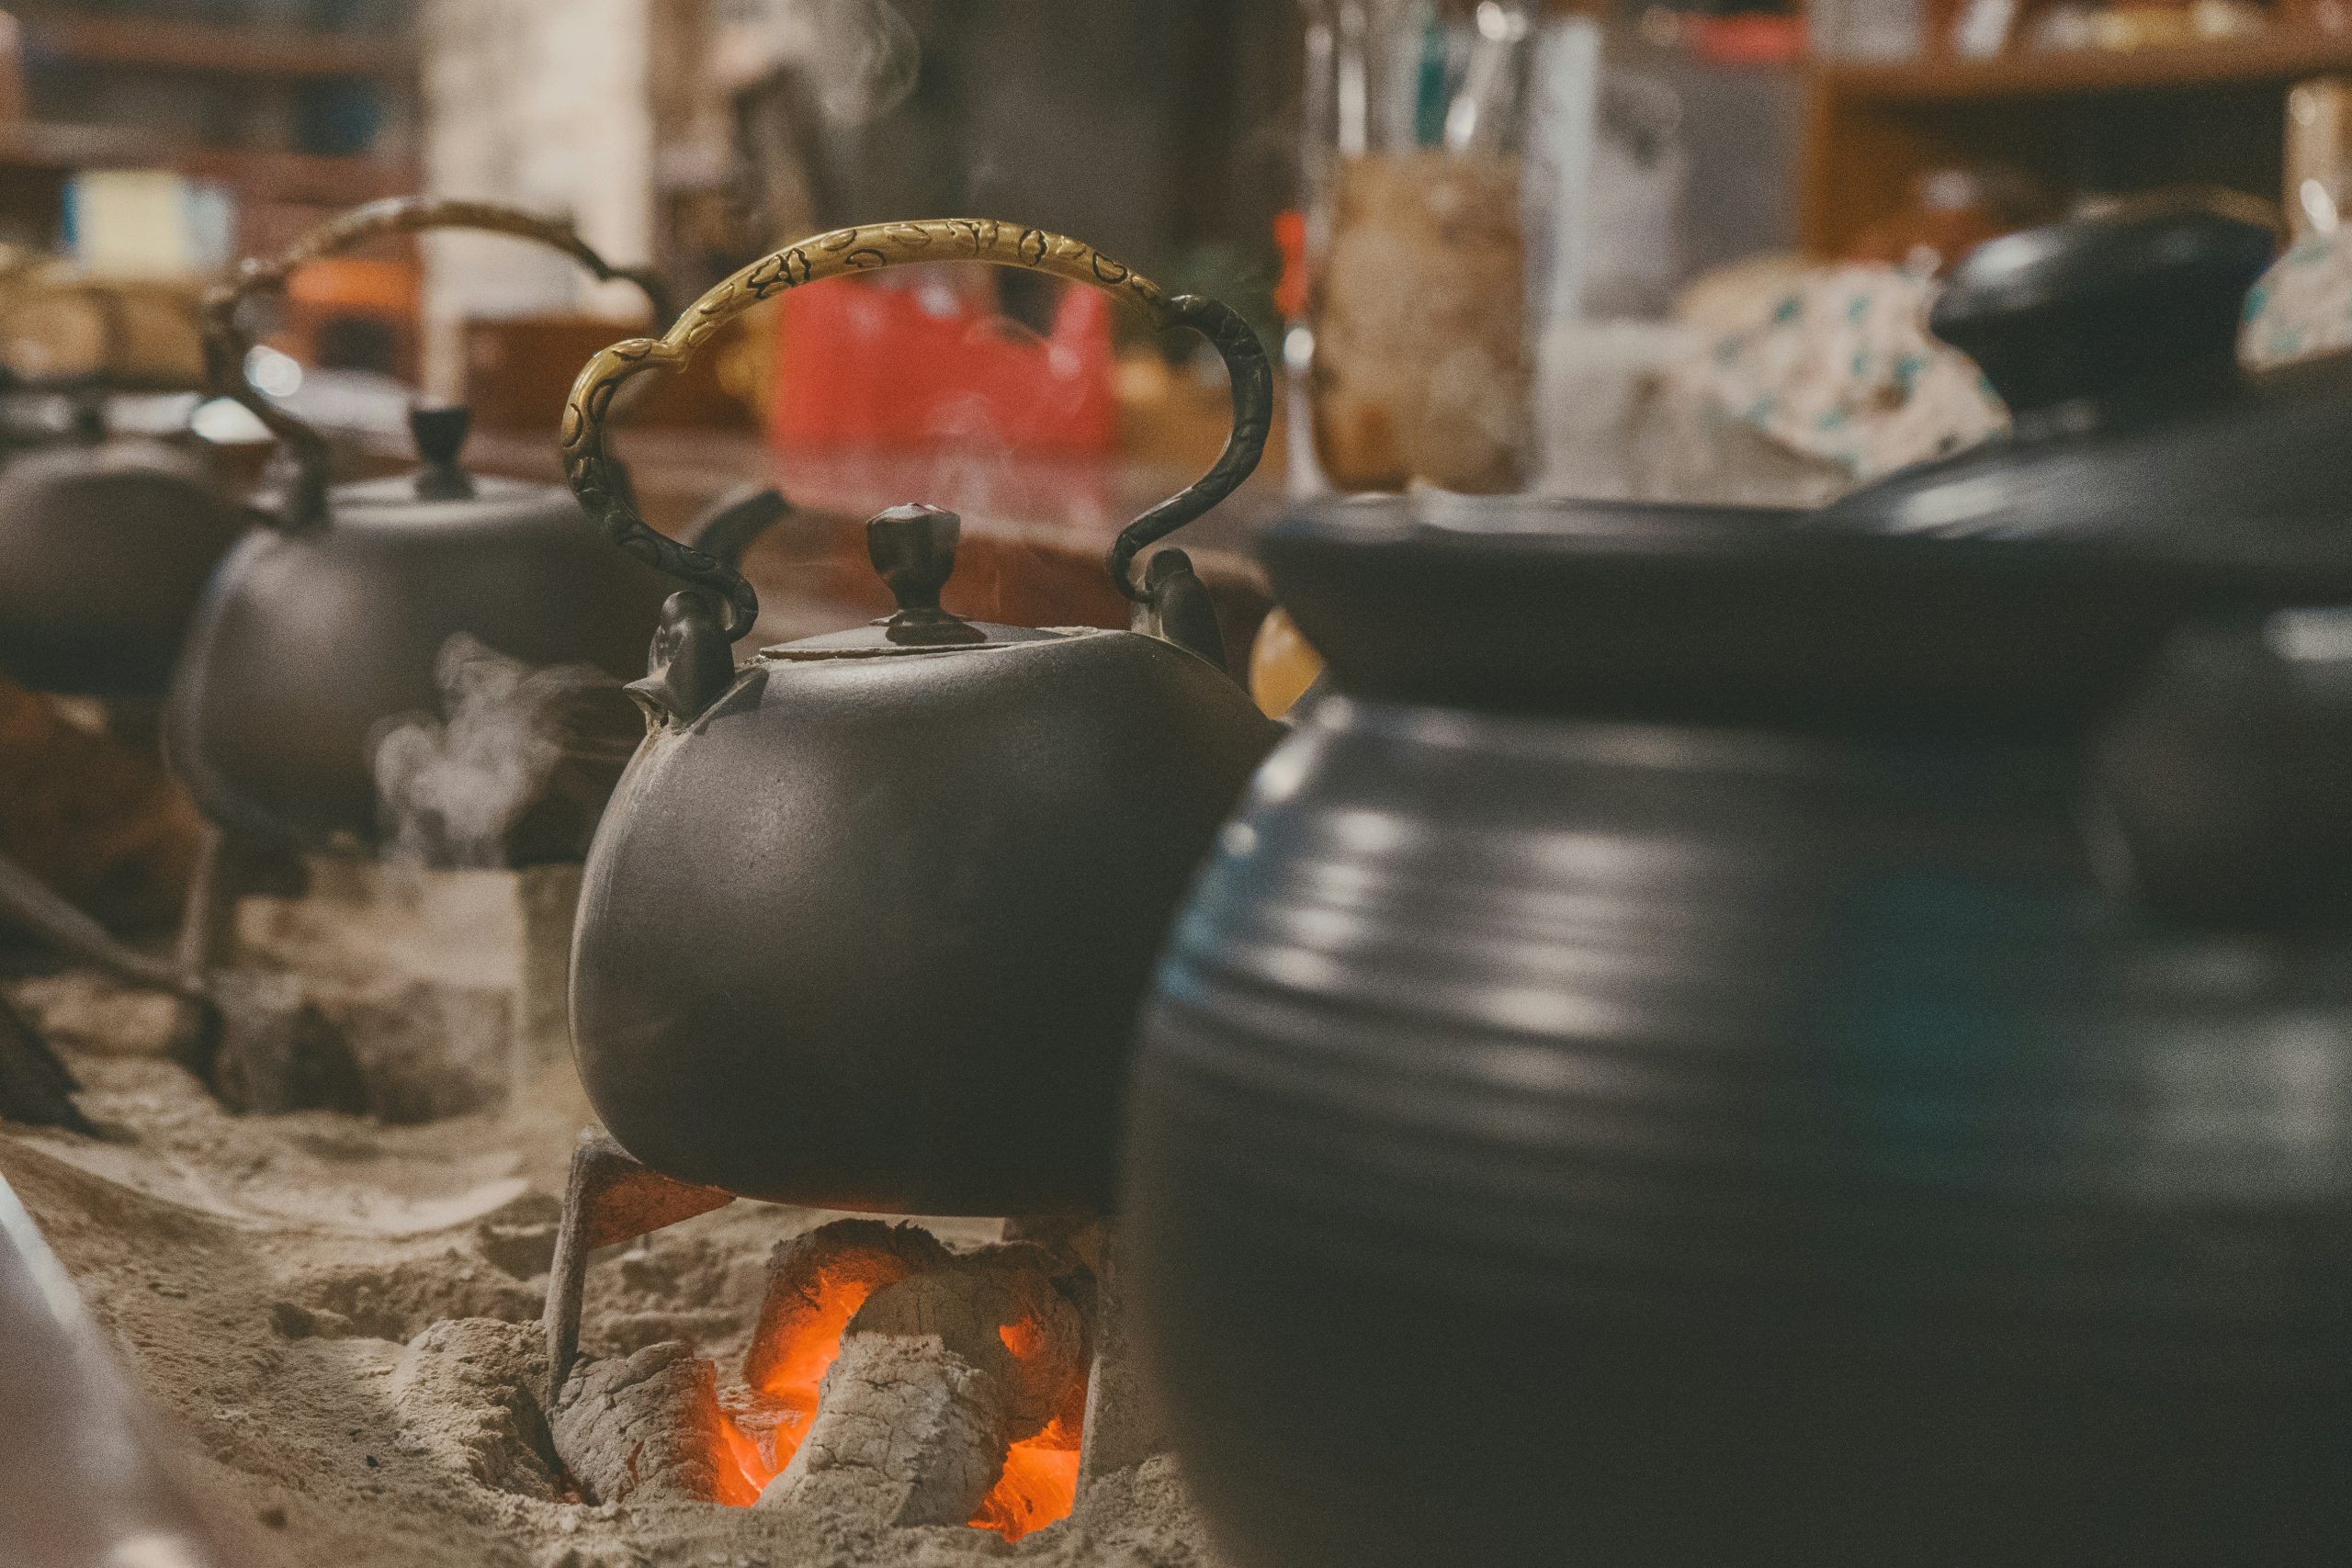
(1838, 367)
(2303, 304)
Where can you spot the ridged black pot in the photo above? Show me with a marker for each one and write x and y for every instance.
(1660, 1073)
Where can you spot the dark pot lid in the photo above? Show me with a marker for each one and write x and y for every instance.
(2114, 340)
(441, 492)
(1712, 614)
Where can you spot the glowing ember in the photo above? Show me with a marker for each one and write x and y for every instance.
(743, 1472)
(1038, 1486)
(795, 1369)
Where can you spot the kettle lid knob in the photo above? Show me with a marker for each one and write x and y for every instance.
(2142, 300)
(913, 548)
(439, 430)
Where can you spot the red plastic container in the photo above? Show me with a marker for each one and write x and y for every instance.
(927, 364)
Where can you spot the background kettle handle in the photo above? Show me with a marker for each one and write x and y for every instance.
(225, 345)
(594, 472)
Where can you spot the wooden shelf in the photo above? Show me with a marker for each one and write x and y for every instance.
(2281, 57)
(32, 145)
(303, 177)
(2198, 114)
(200, 48)
(35, 145)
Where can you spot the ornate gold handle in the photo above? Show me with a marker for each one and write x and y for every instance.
(225, 345)
(595, 479)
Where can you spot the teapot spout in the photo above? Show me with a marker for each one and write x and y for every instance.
(736, 519)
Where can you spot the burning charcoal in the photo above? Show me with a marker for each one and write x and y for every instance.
(424, 1051)
(35, 1086)
(648, 1428)
(272, 1050)
(462, 1391)
(999, 1314)
(815, 1282)
(907, 1432)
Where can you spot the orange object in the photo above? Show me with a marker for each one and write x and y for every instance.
(926, 366)
(1281, 665)
(354, 311)
(1290, 236)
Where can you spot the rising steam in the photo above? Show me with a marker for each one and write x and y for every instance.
(451, 790)
(869, 55)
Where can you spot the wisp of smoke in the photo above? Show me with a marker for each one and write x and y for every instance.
(452, 788)
(868, 57)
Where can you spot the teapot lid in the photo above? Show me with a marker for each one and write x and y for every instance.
(1743, 616)
(441, 481)
(2112, 338)
(913, 550)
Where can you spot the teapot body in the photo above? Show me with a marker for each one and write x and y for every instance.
(869, 933)
(308, 641)
(1570, 1142)
(105, 550)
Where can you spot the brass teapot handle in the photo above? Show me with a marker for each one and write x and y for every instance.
(226, 345)
(592, 471)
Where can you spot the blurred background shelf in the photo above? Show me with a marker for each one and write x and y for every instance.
(2275, 59)
(243, 50)
(2201, 114)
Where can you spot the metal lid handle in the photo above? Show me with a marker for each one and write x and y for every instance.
(591, 469)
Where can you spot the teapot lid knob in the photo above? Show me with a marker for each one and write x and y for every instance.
(439, 430)
(913, 548)
(2143, 301)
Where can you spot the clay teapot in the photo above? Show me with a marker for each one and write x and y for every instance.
(105, 542)
(865, 924)
(327, 620)
(1677, 1062)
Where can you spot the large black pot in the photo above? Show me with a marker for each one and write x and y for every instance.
(1670, 1066)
